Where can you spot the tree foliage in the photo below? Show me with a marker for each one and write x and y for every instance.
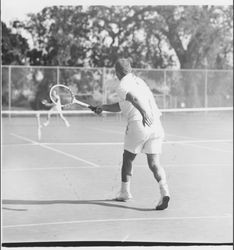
(152, 36)
(14, 47)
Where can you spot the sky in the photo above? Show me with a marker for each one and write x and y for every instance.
(18, 9)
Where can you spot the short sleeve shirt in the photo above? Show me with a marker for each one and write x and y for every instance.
(135, 85)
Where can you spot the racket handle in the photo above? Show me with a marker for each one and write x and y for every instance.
(92, 108)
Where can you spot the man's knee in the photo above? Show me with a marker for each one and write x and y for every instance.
(153, 161)
(128, 157)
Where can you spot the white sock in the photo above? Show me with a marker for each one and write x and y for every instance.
(164, 188)
(125, 187)
(162, 182)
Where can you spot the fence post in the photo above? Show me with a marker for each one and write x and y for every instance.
(165, 84)
(206, 79)
(9, 91)
(103, 85)
(58, 75)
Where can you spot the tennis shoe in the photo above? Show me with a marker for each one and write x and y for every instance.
(165, 197)
(123, 196)
(163, 203)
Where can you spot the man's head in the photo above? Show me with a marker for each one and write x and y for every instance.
(122, 68)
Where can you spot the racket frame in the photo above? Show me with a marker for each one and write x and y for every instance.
(74, 100)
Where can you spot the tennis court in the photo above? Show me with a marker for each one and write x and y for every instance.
(61, 187)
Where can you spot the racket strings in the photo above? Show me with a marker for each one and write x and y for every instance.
(62, 95)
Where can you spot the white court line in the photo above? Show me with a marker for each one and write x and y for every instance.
(108, 130)
(199, 146)
(210, 148)
(114, 166)
(122, 132)
(18, 145)
(192, 143)
(56, 150)
(117, 143)
(180, 136)
(121, 220)
(189, 143)
(199, 141)
(86, 143)
(186, 137)
(121, 143)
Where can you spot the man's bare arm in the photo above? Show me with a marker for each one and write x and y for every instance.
(146, 117)
(108, 107)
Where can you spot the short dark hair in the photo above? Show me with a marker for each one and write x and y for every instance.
(123, 66)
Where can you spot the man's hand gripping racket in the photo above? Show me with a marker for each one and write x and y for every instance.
(62, 95)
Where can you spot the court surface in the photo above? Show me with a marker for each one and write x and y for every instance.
(61, 188)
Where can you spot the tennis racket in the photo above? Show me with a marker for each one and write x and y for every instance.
(63, 95)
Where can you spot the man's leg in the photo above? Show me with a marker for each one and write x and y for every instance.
(160, 176)
(126, 173)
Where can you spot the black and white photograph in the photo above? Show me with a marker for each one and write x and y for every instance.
(116, 124)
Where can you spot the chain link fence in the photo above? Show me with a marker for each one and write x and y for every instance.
(24, 87)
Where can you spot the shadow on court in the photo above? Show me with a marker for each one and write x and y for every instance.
(14, 209)
(105, 203)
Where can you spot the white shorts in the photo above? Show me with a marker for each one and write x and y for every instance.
(144, 139)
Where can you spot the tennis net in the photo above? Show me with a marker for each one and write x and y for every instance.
(222, 114)
(33, 125)
(186, 113)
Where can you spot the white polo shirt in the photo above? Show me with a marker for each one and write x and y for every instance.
(135, 85)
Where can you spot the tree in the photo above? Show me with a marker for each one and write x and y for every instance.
(14, 47)
(95, 37)
(206, 29)
(160, 35)
(61, 34)
(123, 31)
(153, 36)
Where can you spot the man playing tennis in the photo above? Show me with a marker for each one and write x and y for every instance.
(144, 132)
